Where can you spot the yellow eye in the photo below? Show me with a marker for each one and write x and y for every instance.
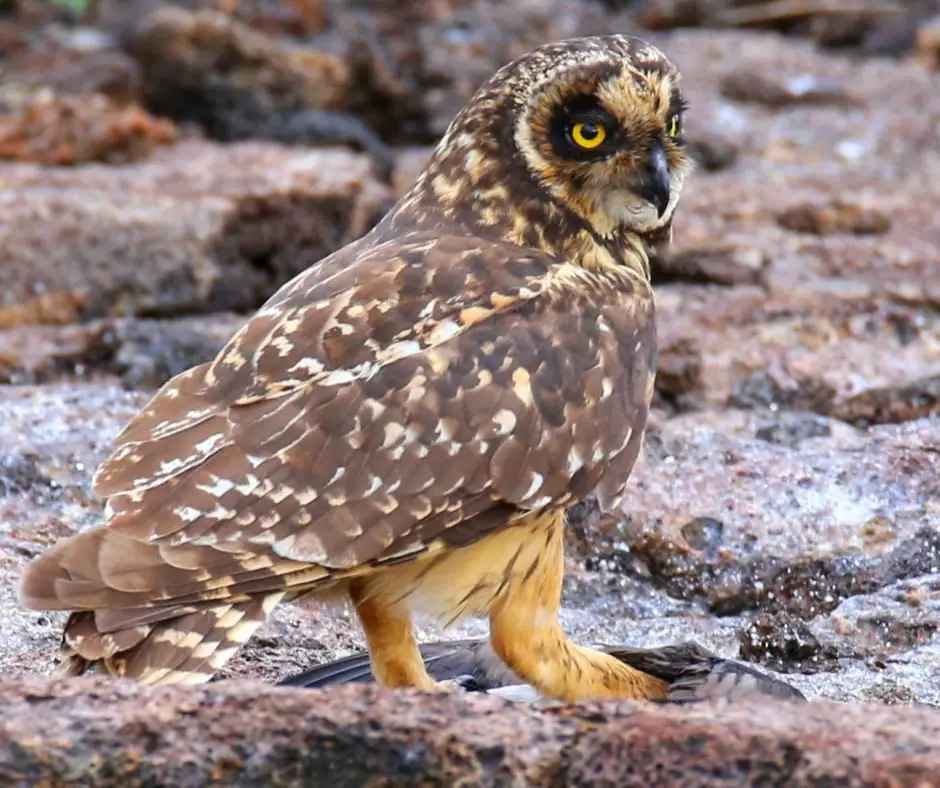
(673, 125)
(588, 135)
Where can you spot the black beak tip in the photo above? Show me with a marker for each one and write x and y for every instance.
(656, 185)
(661, 203)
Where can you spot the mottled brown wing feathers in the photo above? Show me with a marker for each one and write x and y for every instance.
(373, 404)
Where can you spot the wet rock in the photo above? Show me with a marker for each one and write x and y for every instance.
(711, 151)
(784, 643)
(198, 228)
(79, 130)
(95, 731)
(719, 263)
(237, 84)
(836, 217)
(777, 92)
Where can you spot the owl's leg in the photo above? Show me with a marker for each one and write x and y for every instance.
(527, 636)
(393, 650)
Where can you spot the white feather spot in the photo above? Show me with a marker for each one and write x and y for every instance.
(534, 484)
(393, 434)
(444, 331)
(210, 443)
(373, 408)
(505, 421)
(338, 474)
(575, 462)
(187, 514)
(626, 439)
(251, 482)
(218, 488)
(311, 366)
(306, 496)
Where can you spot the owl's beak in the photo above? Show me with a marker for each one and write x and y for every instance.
(655, 186)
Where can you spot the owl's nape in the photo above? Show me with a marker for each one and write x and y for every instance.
(408, 420)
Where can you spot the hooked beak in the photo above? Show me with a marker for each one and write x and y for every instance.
(655, 186)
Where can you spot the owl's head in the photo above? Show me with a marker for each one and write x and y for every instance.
(579, 134)
(599, 127)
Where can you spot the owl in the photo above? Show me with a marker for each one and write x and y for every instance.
(407, 422)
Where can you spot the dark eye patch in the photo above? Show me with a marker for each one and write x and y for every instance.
(584, 109)
(677, 104)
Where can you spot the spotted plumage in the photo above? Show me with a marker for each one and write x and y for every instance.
(408, 420)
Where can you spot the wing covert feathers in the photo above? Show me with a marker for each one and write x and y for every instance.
(399, 396)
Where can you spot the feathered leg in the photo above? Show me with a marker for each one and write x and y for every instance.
(527, 636)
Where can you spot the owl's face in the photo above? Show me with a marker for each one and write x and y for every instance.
(605, 140)
(577, 135)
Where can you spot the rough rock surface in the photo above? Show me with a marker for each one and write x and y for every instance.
(197, 228)
(106, 732)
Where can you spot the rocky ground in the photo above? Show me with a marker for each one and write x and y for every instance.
(787, 509)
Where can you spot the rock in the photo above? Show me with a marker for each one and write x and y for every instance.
(80, 130)
(775, 92)
(836, 217)
(109, 732)
(69, 73)
(719, 263)
(236, 83)
(711, 151)
(142, 353)
(409, 162)
(928, 43)
(667, 14)
(197, 228)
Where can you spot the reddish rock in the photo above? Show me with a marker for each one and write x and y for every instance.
(107, 732)
(836, 217)
(196, 228)
(79, 130)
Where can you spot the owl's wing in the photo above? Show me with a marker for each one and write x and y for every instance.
(429, 388)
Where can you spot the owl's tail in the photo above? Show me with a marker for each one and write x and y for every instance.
(184, 646)
(158, 613)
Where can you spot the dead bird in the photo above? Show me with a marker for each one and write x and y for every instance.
(693, 673)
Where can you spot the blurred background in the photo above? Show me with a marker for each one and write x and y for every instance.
(164, 167)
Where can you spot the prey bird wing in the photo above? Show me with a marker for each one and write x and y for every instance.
(693, 673)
